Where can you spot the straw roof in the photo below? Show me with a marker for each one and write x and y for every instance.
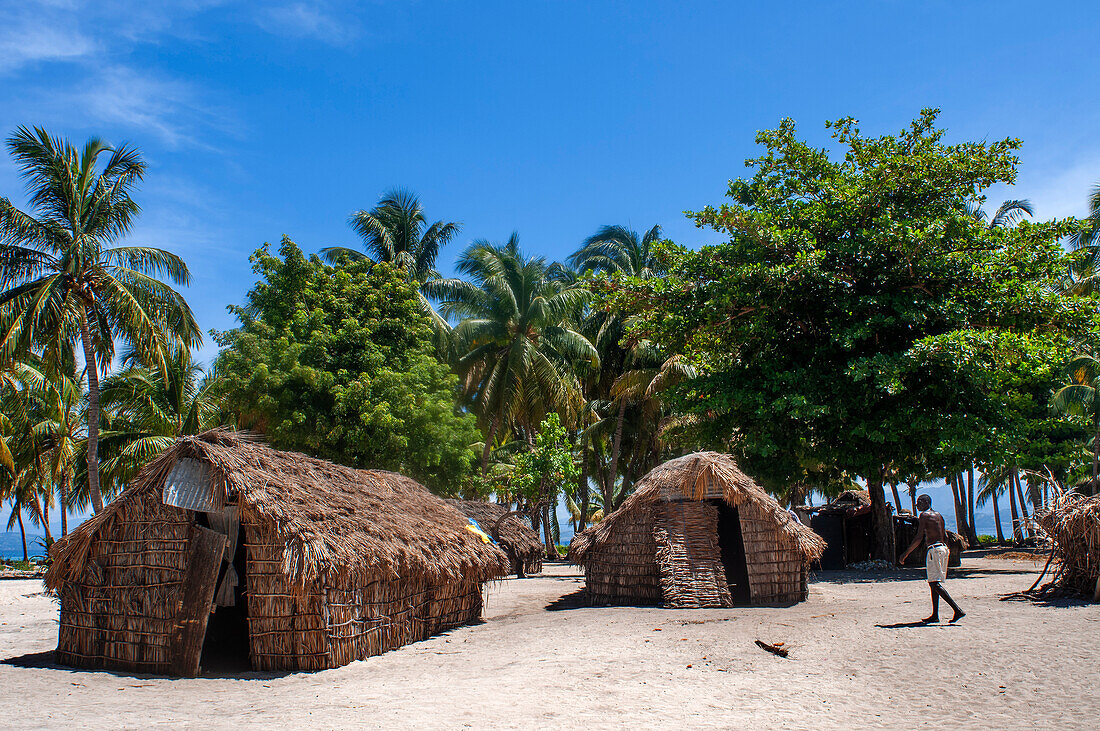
(690, 477)
(335, 521)
(513, 531)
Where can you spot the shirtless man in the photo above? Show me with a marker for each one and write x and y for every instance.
(933, 531)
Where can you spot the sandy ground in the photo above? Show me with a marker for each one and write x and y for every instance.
(540, 661)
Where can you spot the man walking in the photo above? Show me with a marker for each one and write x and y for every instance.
(933, 532)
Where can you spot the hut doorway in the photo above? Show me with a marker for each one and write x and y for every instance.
(226, 646)
(732, 545)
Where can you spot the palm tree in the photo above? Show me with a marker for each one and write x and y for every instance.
(1079, 398)
(1084, 275)
(516, 341)
(619, 250)
(57, 432)
(1008, 214)
(64, 283)
(148, 409)
(396, 231)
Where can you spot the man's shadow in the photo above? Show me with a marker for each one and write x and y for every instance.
(918, 623)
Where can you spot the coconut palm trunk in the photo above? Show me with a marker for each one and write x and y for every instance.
(970, 505)
(1016, 533)
(582, 486)
(22, 529)
(1024, 516)
(92, 371)
(897, 497)
(997, 517)
(913, 496)
(63, 487)
(616, 446)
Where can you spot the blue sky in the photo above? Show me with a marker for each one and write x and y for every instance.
(550, 118)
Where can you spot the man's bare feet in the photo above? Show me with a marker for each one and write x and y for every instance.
(958, 615)
(931, 620)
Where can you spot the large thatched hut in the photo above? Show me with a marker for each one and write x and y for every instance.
(293, 562)
(511, 532)
(697, 532)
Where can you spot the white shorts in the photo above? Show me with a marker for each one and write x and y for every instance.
(935, 562)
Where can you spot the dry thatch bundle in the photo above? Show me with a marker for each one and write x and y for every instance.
(324, 564)
(1072, 522)
(514, 534)
(697, 532)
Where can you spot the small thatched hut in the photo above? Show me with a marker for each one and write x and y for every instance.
(514, 534)
(697, 532)
(293, 562)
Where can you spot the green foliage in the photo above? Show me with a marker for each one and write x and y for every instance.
(549, 465)
(338, 363)
(861, 318)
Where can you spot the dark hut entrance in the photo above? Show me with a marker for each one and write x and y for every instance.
(732, 546)
(226, 648)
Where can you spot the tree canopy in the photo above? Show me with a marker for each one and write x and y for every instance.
(859, 318)
(338, 362)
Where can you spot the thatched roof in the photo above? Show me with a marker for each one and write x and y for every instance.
(514, 532)
(334, 520)
(689, 477)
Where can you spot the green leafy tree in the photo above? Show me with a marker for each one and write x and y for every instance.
(543, 472)
(338, 363)
(1080, 397)
(64, 283)
(396, 231)
(855, 320)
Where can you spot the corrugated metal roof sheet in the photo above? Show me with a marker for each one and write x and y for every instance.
(190, 485)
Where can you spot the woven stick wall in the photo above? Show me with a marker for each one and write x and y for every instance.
(1072, 521)
(624, 571)
(119, 612)
(688, 555)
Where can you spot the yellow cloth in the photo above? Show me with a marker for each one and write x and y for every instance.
(479, 533)
(935, 562)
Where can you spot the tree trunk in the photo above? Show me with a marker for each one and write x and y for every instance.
(1095, 453)
(551, 549)
(488, 445)
(897, 497)
(615, 448)
(1023, 505)
(583, 487)
(1016, 534)
(913, 496)
(997, 517)
(63, 486)
(970, 505)
(22, 530)
(93, 414)
(46, 517)
(882, 525)
(960, 509)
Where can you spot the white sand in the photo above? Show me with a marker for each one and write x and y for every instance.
(1007, 665)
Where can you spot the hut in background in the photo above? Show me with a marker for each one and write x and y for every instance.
(845, 525)
(697, 532)
(519, 541)
(306, 564)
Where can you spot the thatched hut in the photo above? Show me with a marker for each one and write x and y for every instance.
(297, 563)
(697, 532)
(511, 532)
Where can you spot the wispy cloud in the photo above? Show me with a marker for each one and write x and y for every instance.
(314, 20)
(30, 35)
